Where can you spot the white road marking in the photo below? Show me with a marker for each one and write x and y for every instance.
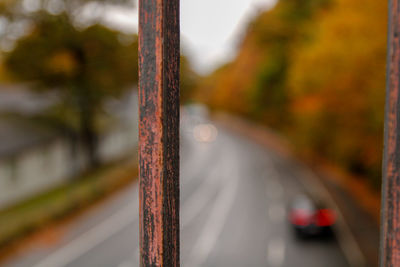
(192, 165)
(276, 212)
(196, 202)
(346, 239)
(199, 199)
(276, 253)
(274, 188)
(215, 223)
(91, 238)
(125, 216)
(113, 225)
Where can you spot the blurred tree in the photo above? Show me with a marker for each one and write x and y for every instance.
(3, 72)
(63, 45)
(255, 82)
(85, 66)
(189, 80)
(337, 83)
(17, 16)
(315, 71)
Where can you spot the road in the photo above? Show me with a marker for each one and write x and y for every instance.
(234, 198)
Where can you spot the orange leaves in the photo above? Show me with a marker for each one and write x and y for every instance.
(307, 105)
(316, 72)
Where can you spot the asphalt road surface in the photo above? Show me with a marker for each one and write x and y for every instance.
(234, 198)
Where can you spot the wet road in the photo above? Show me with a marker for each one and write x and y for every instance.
(234, 200)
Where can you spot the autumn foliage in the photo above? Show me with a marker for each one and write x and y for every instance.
(315, 71)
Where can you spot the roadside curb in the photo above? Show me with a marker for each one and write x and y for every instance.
(346, 239)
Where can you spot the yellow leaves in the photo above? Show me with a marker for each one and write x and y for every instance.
(340, 74)
(63, 63)
(333, 77)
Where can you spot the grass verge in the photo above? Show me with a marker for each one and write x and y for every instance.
(23, 218)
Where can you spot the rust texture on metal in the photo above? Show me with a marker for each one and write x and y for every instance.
(390, 230)
(159, 52)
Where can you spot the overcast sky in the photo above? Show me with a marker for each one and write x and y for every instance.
(210, 28)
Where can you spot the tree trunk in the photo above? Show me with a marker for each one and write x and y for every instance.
(88, 131)
(86, 105)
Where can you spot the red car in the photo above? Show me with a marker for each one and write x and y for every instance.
(310, 218)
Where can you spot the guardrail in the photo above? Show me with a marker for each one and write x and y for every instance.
(159, 136)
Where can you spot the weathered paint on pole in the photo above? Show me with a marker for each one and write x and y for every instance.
(390, 229)
(159, 52)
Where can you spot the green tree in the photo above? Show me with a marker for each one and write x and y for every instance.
(60, 46)
(85, 66)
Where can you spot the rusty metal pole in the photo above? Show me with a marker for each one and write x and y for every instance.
(390, 229)
(159, 54)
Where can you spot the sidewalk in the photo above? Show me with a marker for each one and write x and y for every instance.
(362, 223)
